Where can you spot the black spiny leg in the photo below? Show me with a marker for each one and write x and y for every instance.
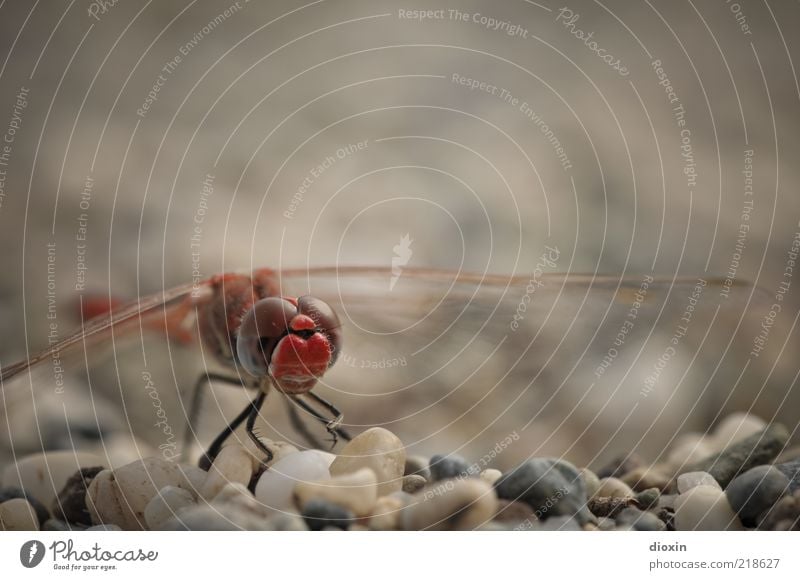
(300, 426)
(251, 422)
(331, 425)
(197, 399)
(210, 455)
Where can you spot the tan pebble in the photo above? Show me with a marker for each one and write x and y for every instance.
(734, 428)
(44, 475)
(490, 476)
(17, 515)
(386, 513)
(165, 505)
(705, 508)
(121, 496)
(514, 511)
(234, 464)
(590, 481)
(454, 504)
(413, 483)
(280, 449)
(378, 449)
(355, 491)
(643, 478)
(688, 449)
(613, 487)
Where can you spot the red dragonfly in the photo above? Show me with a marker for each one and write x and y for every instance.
(289, 342)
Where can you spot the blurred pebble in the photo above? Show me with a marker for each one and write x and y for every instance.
(613, 487)
(688, 449)
(287, 522)
(355, 491)
(326, 455)
(42, 513)
(120, 496)
(448, 467)
(791, 469)
(201, 518)
(378, 449)
(734, 428)
(687, 481)
(233, 464)
(454, 504)
(639, 520)
(514, 511)
(319, 514)
(280, 449)
(70, 505)
(784, 515)
(620, 465)
(648, 498)
(552, 487)
(490, 476)
(413, 483)
(417, 465)
(590, 481)
(43, 475)
(757, 449)
(643, 478)
(18, 515)
(557, 524)
(104, 528)
(704, 508)
(605, 524)
(166, 505)
(53, 525)
(755, 491)
(386, 513)
(275, 486)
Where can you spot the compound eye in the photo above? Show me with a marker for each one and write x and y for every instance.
(326, 320)
(261, 329)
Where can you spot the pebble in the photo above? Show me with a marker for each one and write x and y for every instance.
(201, 518)
(70, 505)
(287, 522)
(590, 481)
(643, 478)
(620, 465)
(386, 513)
(18, 515)
(43, 475)
(120, 496)
(233, 464)
(453, 504)
(417, 465)
(704, 508)
(755, 491)
(639, 520)
(104, 528)
(613, 487)
(166, 505)
(280, 449)
(514, 512)
(734, 428)
(448, 467)
(557, 524)
(381, 451)
(276, 485)
(42, 513)
(791, 469)
(413, 483)
(687, 481)
(689, 449)
(357, 492)
(784, 515)
(320, 514)
(552, 487)
(491, 476)
(757, 449)
(648, 498)
(53, 525)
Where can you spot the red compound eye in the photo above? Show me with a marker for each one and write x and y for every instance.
(261, 329)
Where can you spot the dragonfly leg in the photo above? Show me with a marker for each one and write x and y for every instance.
(333, 426)
(300, 426)
(197, 399)
(251, 421)
(207, 459)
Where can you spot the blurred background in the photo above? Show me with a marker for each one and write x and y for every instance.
(150, 144)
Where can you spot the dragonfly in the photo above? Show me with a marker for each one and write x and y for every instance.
(284, 329)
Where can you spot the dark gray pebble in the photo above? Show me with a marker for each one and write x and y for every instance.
(640, 521)
(791, 469)
(70, 504)
(52, 525)
(758, 449)
(42, 513)
(417, 465)
(620, 465)
(320, 514)
(648, 498)
(755, 491)
(448, 467)
(552, 487)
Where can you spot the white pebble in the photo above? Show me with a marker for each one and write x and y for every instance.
(688, 449)
(355, 491)
(490, 476)
(704, 508)
(166, 505)
(17, 515)
(381, 451)
(734, 428)
(43, 475)
(275, 486)
(687, 481)
(234, 464)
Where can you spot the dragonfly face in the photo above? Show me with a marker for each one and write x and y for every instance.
(293, 340)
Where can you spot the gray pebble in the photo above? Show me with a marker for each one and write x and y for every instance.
(648, 498)
(687, 481)
(42, 513)
(413, 483)
(320, 514)
(757, 449)
(552, 487)
(417, 465)
(620, 465)
(52, 525)
(448, 467)
(791, 469)
(557, 524)
(104, 528)
(640, 521)
(755, 491)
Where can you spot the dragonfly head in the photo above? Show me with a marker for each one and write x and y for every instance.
(293, 340)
